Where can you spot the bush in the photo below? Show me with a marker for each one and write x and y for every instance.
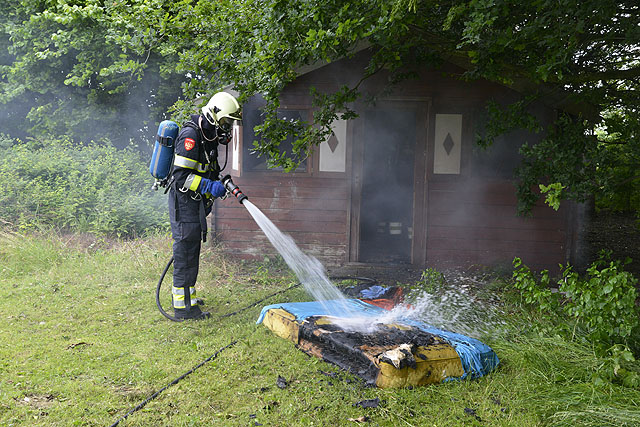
(89, 188)
(534, 291)
(604, 302)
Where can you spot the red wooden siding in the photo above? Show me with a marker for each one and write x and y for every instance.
(476, 223)
(312, 210)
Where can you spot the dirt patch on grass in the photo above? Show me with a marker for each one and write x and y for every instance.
(37, 401)
(132, 394)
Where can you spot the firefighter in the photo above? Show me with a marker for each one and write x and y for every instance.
(195, 184)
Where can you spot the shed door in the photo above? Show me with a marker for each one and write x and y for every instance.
(386, 211)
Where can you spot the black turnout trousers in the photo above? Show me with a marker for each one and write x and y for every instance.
(186, 229)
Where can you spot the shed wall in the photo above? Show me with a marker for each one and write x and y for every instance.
(466, 218)
(295, 205)
(484, 229)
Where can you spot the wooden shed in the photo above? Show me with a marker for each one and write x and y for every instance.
(404, 183)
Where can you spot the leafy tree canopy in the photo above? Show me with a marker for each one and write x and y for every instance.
(71, 62)
(87, 69)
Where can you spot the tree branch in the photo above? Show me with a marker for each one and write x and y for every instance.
(628, 74)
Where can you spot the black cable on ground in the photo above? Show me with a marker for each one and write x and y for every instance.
(181, 377)
(259, 301)
(362, 279)
(214, 355)
(175, 319)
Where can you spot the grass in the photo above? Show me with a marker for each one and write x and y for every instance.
(83, 343)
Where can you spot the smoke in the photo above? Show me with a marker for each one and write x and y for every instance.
(90, 112)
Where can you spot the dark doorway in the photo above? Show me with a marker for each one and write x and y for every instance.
(386, 207)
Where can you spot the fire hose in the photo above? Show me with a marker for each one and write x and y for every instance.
(231, 344)
(234, 190)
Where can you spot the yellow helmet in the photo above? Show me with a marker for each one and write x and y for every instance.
(222, 109)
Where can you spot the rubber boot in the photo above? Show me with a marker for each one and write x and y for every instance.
(193, 313)
(185, 304)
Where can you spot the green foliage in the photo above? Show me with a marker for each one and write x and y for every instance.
(604, 302)
(95, 188)
(430, 281)
(619, 366)
(620, 191)
(86, 69)
(599, 310)
(79, 67)
(553, 194)
(575, 55)
(534, 291)
(565, 158)
(503, 119)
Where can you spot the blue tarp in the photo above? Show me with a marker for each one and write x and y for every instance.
(477, 358)
(302, 310)
(373, 292)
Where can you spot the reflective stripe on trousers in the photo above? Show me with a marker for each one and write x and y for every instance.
(181, 298)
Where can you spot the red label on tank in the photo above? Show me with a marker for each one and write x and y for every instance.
(189, 144)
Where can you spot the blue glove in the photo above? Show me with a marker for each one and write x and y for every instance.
(215, 188)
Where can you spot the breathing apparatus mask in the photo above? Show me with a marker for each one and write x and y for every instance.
(220, 113)
(211, 132)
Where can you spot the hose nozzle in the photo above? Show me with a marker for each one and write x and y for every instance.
(232, 188)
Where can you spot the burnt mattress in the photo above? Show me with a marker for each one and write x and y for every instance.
(405, 352)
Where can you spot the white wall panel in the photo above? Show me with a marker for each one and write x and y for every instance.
(448, 144)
